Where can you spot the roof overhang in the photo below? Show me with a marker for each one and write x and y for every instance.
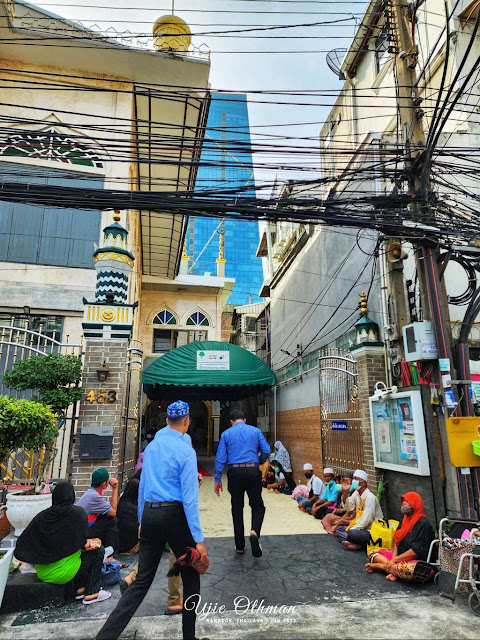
(177, 374)
(359, 45)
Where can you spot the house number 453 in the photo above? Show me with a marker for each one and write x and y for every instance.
(101, 396)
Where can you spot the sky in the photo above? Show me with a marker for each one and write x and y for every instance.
(291, 59)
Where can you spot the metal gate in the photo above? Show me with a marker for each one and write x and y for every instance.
(132, 411)
(341, 425)
(18, 343)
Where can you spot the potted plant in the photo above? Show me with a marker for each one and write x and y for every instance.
(28, 425)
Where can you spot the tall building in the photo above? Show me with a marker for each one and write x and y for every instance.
(226, 164)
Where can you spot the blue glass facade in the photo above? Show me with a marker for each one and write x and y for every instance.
(226, 164)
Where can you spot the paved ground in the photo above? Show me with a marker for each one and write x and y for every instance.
(319, 591)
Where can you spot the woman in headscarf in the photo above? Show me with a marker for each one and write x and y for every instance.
(281, 455)
(412, 543)
(56, 542)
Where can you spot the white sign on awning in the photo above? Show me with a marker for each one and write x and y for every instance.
(213, 361)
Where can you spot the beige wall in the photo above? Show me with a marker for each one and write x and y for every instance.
(182, 305)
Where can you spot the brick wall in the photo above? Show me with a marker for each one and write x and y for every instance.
(106, 414)
(371, 369)
(299, 431)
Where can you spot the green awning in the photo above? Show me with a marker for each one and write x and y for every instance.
(207, 370)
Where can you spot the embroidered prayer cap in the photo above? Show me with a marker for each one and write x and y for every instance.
(178, 409)
(361, 474)
(308, 467)
(328, 470)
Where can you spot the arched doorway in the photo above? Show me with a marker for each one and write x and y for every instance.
(201, 423)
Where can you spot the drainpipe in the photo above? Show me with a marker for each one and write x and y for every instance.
(275, 413)
(352, 82)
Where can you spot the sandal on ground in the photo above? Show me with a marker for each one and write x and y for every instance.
(103, 595)
(175, 612)
(80, 596)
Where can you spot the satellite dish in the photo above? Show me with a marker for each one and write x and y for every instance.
(334, 61)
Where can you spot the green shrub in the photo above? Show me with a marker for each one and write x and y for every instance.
(25, 424)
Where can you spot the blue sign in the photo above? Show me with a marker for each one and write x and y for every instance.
(339, 426)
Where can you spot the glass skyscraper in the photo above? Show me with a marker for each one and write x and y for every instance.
(226, 165)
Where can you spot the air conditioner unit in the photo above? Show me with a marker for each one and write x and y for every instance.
(419, 342)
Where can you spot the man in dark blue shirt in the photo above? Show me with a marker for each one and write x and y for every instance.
(243, 447)
(168, 512)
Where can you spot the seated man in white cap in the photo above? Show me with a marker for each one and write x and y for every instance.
(328, 497)
(367, 510)
(315, 488)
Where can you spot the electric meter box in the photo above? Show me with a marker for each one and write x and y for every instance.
(96, 443)
(419, 342)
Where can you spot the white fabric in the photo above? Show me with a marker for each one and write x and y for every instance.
(361, 474)
(308, 467)
(316, 484)
(328, 470)
(279, 476)
(372, 511)
(281, 455)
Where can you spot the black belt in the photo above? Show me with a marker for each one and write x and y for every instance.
(154, 505)
(245, 464)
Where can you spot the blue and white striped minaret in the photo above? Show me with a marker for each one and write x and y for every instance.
(113, 264)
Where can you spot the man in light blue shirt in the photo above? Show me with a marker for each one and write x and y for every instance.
(328, 497)
(167, 512)
(243, 447)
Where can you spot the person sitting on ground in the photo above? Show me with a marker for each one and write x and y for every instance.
(127, 516)
(412, 543)
(367, 509)
(56, 542)
(269, 476)
(101, 514)
(282, 480)
(344, 508)
(328, 499)
(282, 456)
(315, 488)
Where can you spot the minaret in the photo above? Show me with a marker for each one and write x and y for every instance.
(113, 264)
(110, 316)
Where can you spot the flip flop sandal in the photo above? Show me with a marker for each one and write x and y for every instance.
(80, 597)
(103, 595)
(169, 612)
(256, 548)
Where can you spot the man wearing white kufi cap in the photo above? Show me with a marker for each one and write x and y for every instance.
(367, 510)
(328, 497)
(314, 486)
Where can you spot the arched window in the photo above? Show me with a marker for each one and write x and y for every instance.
(165, 317)
(49, 144)
(197, 319)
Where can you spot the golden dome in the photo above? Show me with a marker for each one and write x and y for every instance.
(171, 33)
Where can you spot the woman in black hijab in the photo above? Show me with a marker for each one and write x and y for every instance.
(56, 542)
(127, 515)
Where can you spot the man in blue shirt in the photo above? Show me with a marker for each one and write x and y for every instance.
(167, 512)
(243, 447)
(328, 497)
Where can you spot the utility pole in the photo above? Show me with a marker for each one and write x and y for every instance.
(417, 168)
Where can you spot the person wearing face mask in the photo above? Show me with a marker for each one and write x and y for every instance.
(277, 483)
(412, 543)
(367, 510)
(102, 521)
(314, 486)
(344, 507)
(329, 496)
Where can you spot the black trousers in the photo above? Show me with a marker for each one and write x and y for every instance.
(90, 571)
(249, 480)
(105, 528)
(159, 525)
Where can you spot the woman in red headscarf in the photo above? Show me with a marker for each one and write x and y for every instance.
(412, 543)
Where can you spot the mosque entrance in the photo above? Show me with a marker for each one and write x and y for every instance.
(201, 425)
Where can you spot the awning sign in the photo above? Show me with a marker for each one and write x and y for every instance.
(213, 360)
